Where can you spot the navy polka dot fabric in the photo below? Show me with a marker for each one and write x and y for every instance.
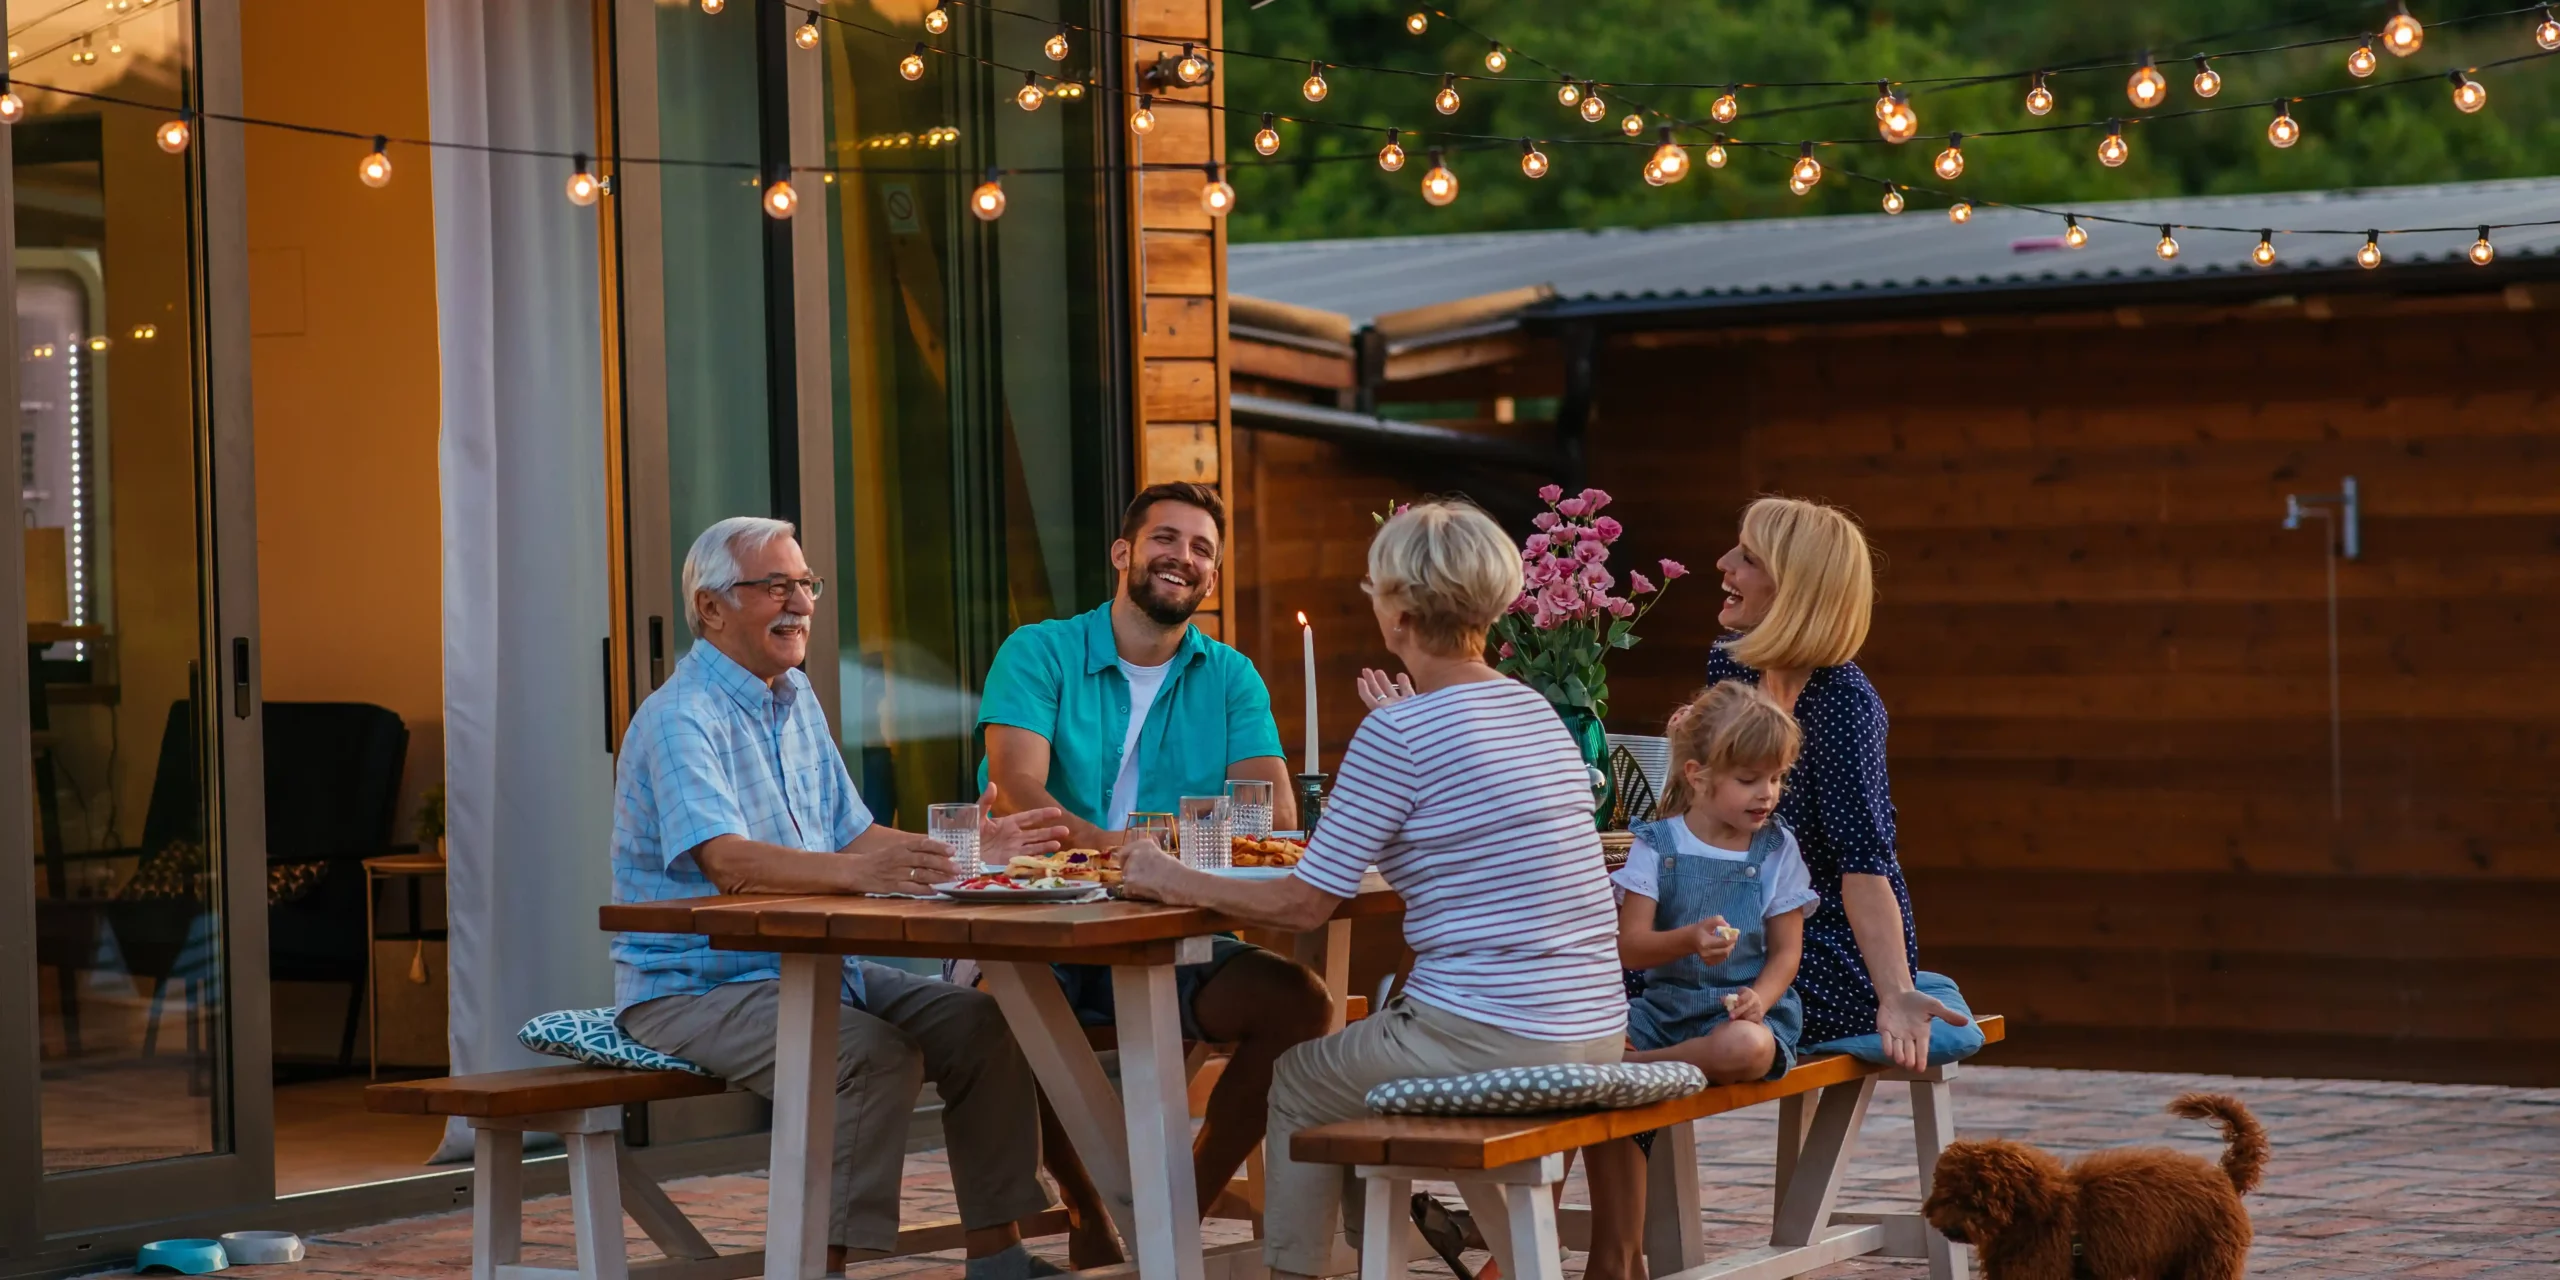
(1837, 800)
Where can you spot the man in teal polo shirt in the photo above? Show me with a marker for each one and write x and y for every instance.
(1126, 709)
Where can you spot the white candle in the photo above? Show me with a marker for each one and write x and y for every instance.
(1311, 693)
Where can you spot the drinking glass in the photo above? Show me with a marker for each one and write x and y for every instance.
(1203, 824)
(1152, 826)
(1249, 808)
(955, 827)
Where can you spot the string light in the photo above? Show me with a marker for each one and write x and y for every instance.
(2402, 35)
(1949, 165)
(1029, 96)
(1899, 123)
(2284, 130)
(12, 107)
(2208, 80)
(2469, 95)
(1533, 162)
(2370, 255)
(1592, 107)
(1632, 125)
(1216, 197)
(375, 169)
(2361, 62)
(1568, 93)
(1266, 139)
(807, 36)
(912, 65)
(1799, 186)
(1715, 153)
(1807, 171)
(2113, 150)
(1191, 68)
(2073, 234)
(2547, 32)
(173, 136)
(1315, 88)
(987, 202)
(2168, 246)
(2148, 87)
(2483, 252)
(1892, 199)
(2039, 98)
(779, 199)
(115, 38)
(84, 55)
(1653, 175)
(1446, 101)
(1670, 157)
(582, 187)
(1416, 23)
(1495, 59)
(1726, 106)
(1056, 45)
(938, 20)
(714, 6)
(1142, 121)
(1439, 186)
(1960, 213)
(146, 332)
(1391, 156)
(2265, 254)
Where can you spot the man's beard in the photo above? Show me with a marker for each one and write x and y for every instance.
(1155, 599)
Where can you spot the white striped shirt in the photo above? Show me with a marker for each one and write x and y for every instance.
(1473, 803)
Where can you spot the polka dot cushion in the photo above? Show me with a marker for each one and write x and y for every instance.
(590, 1036)
(1512, 1091)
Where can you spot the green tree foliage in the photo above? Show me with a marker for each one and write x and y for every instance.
(2381, 137)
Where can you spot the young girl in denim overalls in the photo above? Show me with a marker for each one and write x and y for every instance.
(1712, 908)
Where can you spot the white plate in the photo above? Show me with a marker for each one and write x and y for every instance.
(1074, 893)
(1255, 873)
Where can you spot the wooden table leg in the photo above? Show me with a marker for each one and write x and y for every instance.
(801, 1192)
(1159, 1118)
(1063, 1060)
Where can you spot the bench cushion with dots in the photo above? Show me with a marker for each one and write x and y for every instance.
(592, 1037)
(1510, 1091)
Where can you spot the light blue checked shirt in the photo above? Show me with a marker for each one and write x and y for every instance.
(715, 752)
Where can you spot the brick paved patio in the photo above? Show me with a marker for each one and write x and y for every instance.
(2367, 1179)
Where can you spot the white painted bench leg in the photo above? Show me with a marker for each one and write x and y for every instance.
(1792, 1116)
(1532, 1229)
(1674, 1236)
(1933, 1127)
(1813, 1186)
(1386, 1227)
(497, 1201)
(647, 1203)
(595, 1204)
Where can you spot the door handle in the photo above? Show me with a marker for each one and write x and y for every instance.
(657, 650)
(240, 677)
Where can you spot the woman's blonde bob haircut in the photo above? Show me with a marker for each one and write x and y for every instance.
(1446, 563)
(1826, 585)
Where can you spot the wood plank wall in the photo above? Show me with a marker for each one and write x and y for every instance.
(1179, 255)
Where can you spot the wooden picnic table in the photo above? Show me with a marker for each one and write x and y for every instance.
(1139, 1154)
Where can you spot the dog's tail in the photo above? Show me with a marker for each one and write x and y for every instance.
(2244, 1154)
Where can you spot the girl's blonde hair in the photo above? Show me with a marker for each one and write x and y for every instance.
(1447, 562)
(1728, 727)
(1826, 586)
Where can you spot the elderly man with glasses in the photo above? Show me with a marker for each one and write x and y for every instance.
(729, 782)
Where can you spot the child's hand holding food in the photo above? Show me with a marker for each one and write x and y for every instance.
(1713, 939)
(1745, 1005)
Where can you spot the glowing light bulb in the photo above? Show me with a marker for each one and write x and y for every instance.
(1439, 186)
(1143, 119)
(2369, 254)
(12, 107)
(1671, 158)
(583, 187)
(1892, 200)
(2039, 98)
(807, 35)
(912, 65)
(779, 199)
(2112, 151)
(1568, 93)
(15, 53)
(1799, 186)
(84, 55)
(1446, 101)
(1056, 45)
(1191, 68)
(146, 332)
(1416, 23)
(1725, 107)
(1315, 88)
(2284, 130)
(2073, 234)
(2469, 95)
(2360, 63)
(1653, 173)
(2402, 35)
(2147, 88)
(115, 38)
(1030, 95)
(1391, 156)
(173, 136)
(1266, 139)
(1960, 213)
(2208, 81)
(375, 169)
(1495, 59)
(1899, 123)
(2168, 246)
(1592, 107)
(1807, 171)
(1949, 165)
(937, 20)
(1631, 125)
(2545, 33)
(1533, 162)
(1216, 198)
(714, 6)
(987, 202)
(2483, 252)
(1716, 156)
(2265, 252)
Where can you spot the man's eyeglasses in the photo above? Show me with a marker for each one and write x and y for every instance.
(780, 588)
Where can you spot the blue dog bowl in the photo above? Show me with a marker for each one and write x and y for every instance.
(187, 1257)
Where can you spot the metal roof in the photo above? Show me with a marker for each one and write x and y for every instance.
(1808, 259)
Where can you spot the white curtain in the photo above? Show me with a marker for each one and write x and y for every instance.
(528, 784)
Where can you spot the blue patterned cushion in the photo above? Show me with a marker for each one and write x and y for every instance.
(1526, 1090)
(590, 1036)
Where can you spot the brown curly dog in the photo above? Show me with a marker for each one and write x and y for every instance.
(2139, 1214)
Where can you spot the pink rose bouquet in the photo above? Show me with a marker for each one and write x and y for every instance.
(1558, 635)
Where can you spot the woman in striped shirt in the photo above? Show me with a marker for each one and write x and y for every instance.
(1472, 802)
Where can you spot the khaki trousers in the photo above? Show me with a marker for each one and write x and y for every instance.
(1326, 1080)
(909, 1029)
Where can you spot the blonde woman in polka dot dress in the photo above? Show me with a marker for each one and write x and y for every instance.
(1797, 594)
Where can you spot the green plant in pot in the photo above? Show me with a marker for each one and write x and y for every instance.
(431, 820)
(1569, 618)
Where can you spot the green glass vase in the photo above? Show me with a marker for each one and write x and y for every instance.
(1592, 737)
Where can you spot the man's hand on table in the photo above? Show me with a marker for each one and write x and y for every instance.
(900, 862)
(1150, 874)
(1026, 834)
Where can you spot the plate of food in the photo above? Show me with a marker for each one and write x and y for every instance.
(1265, 852)
(1008, 888)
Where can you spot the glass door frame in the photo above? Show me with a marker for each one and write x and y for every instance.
(65, 1218)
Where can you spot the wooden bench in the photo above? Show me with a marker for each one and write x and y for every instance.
(1507, 1166)
(584, 1105)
